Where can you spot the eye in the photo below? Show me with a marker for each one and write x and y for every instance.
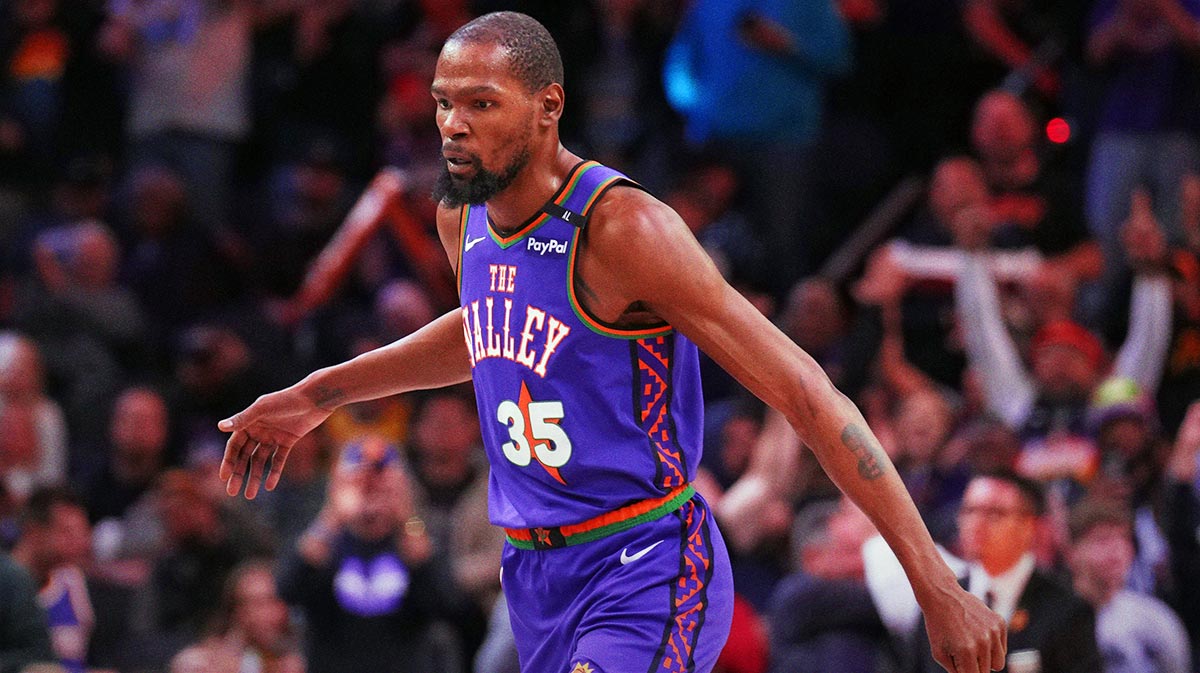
(483, 104)
(443, 104)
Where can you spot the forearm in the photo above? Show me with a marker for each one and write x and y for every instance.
(1144, 353)
(836, 431)
(990, 350)
(1182, 24)
(988, 29)
(432, 357)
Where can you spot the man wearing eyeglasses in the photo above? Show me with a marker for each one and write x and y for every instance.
(1050, 629)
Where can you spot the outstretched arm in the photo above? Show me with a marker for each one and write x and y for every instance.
(432, 357)
(640, 251)
(1007, 387)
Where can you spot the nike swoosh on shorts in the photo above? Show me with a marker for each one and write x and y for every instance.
(627, 559)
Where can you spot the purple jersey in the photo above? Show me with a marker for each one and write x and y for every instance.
(579, 417)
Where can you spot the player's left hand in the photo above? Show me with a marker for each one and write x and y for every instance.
(965, 635)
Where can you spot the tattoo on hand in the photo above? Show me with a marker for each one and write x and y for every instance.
(870, 462)
(326, 397)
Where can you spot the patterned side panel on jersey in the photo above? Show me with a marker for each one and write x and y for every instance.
(689, 595)
(652, 358)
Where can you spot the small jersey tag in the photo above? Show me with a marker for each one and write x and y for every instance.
(575, 219)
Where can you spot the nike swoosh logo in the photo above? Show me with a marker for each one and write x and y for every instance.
(627, 559)
(471, 243)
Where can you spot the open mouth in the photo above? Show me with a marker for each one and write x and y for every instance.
(458, 164)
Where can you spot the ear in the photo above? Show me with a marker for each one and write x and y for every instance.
(552, 100)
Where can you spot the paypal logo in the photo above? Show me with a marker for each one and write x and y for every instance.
(548, 245)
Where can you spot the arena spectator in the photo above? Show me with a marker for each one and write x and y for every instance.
(24, 638)
(923, 422)
(188, 64)
(1037, 199)
(1049, 628)
(252, 630)
(199, 545)
(726, 53)
(176, 269)
(1147, 120)
(295, 503)
(35, 50)
(451, 478)
(1182, 501)
(366, 576)
(136, 452)
(1047, 405)
(88, 326)
(33, 432)
(1181, 377)
(387, 418)
(1135, 631)
(55, 547)
(822, 618)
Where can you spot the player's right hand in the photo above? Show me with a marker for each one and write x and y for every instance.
(966, 637)
(266, 430)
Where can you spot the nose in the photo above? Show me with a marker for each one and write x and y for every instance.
(454, 125)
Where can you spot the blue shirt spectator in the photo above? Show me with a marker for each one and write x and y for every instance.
(755, 68)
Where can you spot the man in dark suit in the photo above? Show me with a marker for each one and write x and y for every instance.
(1050, 629)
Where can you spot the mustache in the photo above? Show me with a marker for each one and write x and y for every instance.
(460, 153)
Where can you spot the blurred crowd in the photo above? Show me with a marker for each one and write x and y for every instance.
(982, 217)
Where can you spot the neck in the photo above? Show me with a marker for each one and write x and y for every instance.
(532, 188)
(1095, 592)
(997, 567)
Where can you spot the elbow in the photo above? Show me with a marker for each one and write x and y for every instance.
(812, 400)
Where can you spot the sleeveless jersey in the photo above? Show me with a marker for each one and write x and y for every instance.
(579, 417)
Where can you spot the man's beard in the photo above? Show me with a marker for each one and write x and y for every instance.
(454, 191)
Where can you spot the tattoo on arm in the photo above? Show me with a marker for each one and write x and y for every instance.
(870, 463)
(327, 398)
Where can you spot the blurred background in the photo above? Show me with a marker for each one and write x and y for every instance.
(982, 217)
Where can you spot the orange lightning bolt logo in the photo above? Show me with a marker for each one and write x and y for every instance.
(523, 402)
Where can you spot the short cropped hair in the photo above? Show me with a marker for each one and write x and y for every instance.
(1094, 511)
(1031, 491)
(532, 54)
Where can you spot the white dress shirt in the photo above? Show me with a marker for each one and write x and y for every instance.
(1005, 588)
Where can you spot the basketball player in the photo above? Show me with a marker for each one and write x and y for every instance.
(584, 300)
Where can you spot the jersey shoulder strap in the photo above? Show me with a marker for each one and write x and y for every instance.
(590, 183)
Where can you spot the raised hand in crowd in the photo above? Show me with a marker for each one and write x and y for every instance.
(370, 496)
(884, 281)
(1143, 238)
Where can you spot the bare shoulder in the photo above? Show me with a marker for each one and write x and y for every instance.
(448, 218)
(449, 221)
(626, 210)
(630, 223)
(640, 250)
